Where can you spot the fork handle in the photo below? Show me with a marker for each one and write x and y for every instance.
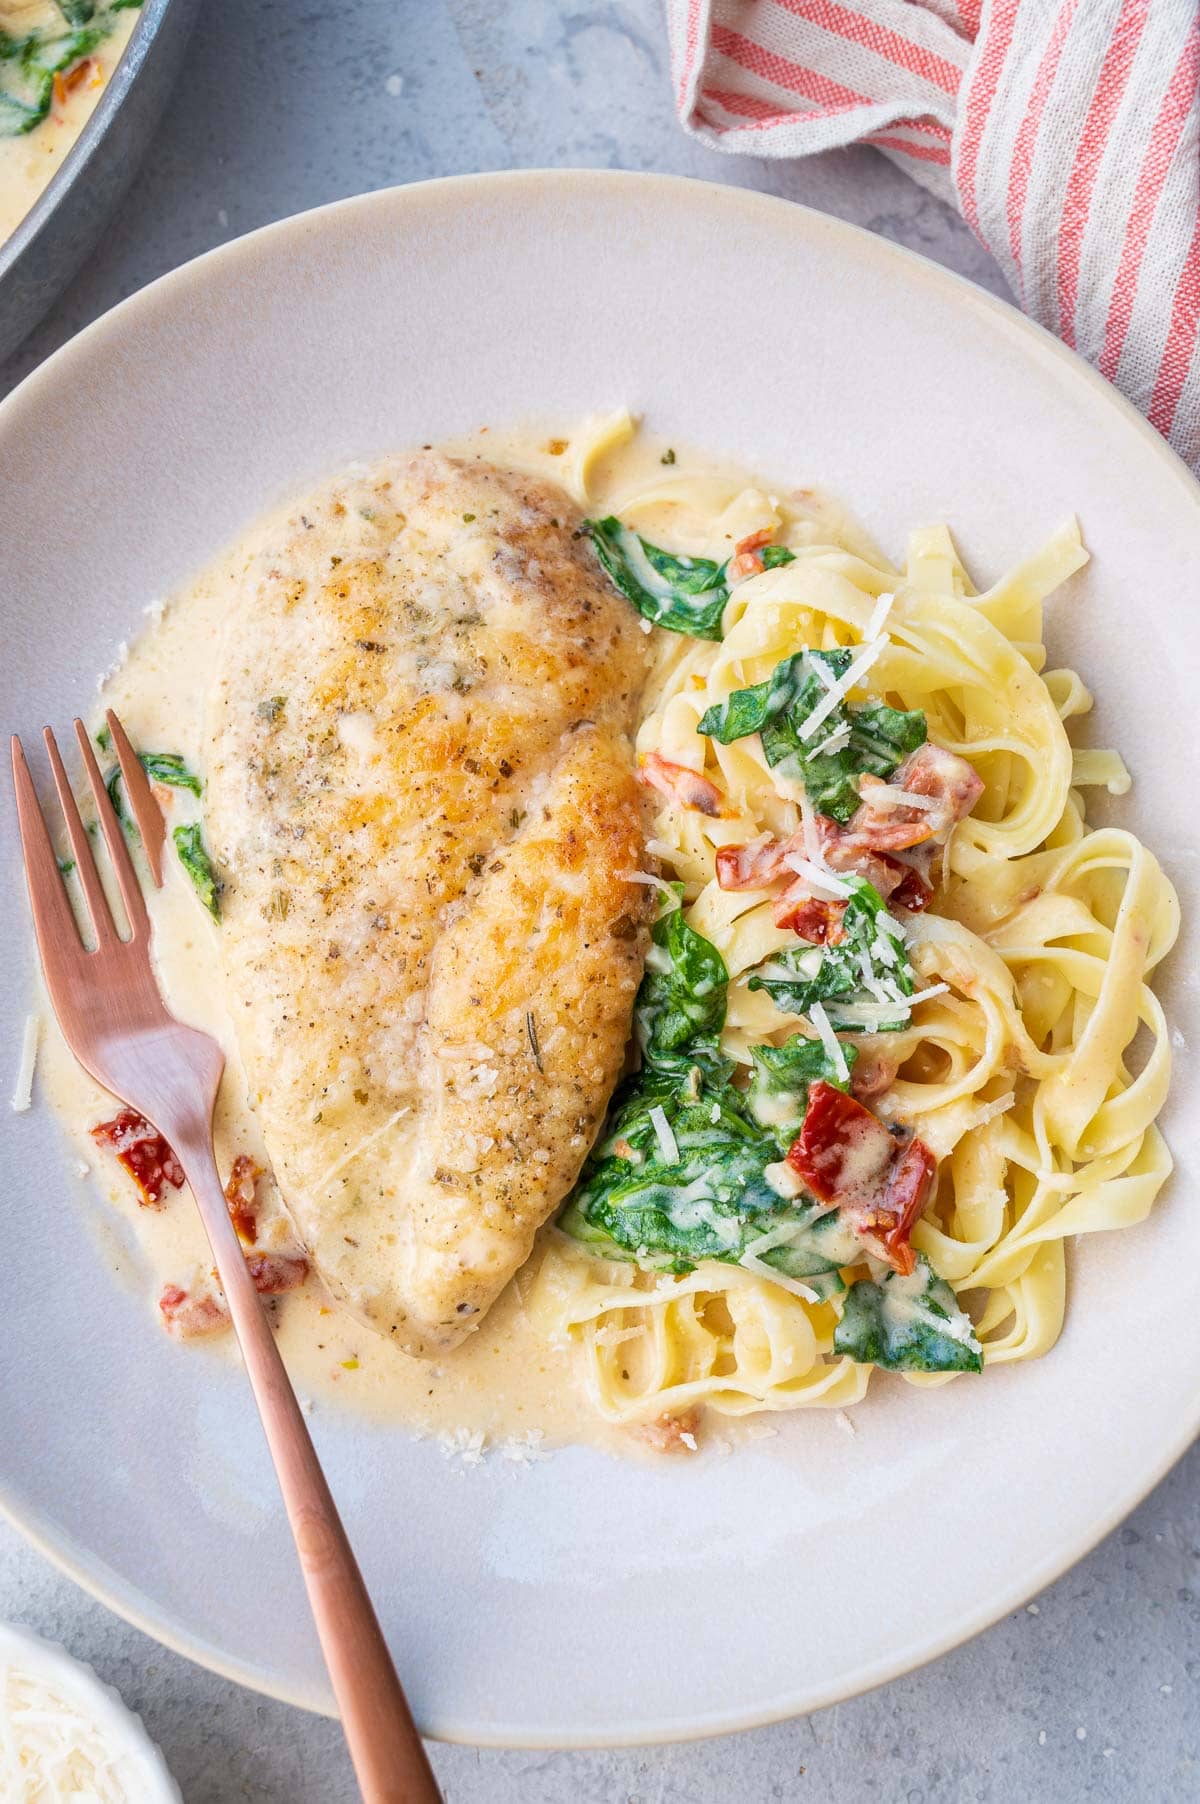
(389, 1761)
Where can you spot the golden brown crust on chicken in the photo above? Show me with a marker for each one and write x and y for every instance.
(422, 800)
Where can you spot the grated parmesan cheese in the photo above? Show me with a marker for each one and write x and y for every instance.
(360, 1146)
(812, 837)
(877, 986)
(988, 1111)
(668, 1146)
(935, 989)
(651, 881)
(22, 1097)
(890, 796)
(818, 875)
(871, 1016)
(829, 1040)
(837, 742)
(859, 664)
(465, 1444)
(525, 1449)
(753, 1261)
(64, 1739)
(883, 607)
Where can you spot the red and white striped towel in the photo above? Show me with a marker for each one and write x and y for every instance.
(1066, 131)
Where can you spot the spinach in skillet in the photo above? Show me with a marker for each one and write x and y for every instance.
(29, 61)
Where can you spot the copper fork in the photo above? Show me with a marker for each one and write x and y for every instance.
(116, 1023)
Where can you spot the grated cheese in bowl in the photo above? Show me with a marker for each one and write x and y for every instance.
(66, 1737)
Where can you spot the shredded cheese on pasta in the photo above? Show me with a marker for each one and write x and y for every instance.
(1033, 965)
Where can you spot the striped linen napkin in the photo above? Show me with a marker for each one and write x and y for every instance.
(1067, 132)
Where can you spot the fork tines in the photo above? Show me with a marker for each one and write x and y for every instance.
(53, 916)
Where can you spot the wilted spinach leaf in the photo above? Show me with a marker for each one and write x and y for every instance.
(679, 1177)
(683, 594)
(870, 964)
(778, 1093)
(193, 856)
(680, 1007)
(679, 1174)
(160, 767)
(169, 768)
(911, 1324)
(749, 710)
(872, 738)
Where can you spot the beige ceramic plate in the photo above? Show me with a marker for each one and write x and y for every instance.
(582, 1600)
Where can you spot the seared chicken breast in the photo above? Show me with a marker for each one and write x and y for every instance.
(422, 801)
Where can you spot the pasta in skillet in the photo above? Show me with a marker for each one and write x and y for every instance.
(888, 1023)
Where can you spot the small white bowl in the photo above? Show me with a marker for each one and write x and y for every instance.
(140, 1765)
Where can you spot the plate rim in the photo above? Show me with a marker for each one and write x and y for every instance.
(1039, 344)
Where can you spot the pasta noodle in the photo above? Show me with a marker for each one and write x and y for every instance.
(1038, 1062)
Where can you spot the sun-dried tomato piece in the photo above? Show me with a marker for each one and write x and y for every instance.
(847, 1158)
(143, 1152)
(908, 1187)
(747, 559)
(241, 1196)
(273, 1273)
(671, 1433)
(188, 1317)
(752, 866)
(874, 1072)
(817, 921)
(914, 891)
(686, 788)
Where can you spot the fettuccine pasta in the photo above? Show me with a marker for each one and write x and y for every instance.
(1033, 1056)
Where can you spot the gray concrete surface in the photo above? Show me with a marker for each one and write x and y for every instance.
(1094, 1691)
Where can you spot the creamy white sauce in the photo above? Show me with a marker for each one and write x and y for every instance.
(506, 1383)
(28, 162)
